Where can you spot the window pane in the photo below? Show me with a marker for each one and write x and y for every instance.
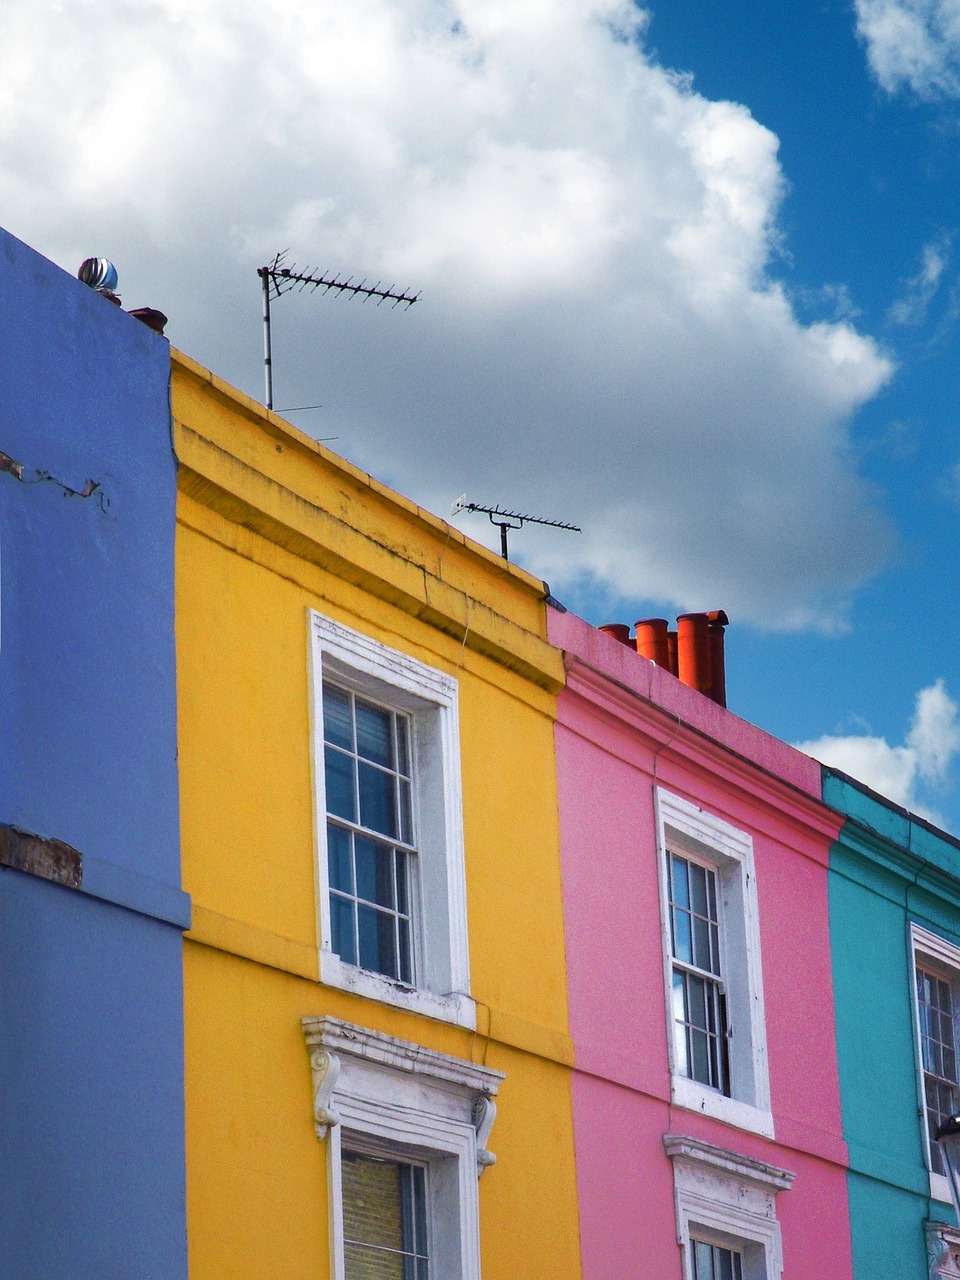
(343, 935)
(337, 718)
(713, 1262)
(378, 803)
(679, 889)
(384, 1219)
(682, 943)
(679, 1021)
(377, 941)
(698, 889)
(374, 872)
(702, 952)
(406, 817)
(406, 953)
(338, 773)
(702, 1261)
(338, 858)
(374, 734)
(403, 745)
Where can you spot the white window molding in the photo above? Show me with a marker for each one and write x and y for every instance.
(378, 1095)
(429, 697)
(700, 837)
(725, 1198)
(935, 956)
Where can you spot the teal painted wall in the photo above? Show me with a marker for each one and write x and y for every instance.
(887, 870)
(890, 1243)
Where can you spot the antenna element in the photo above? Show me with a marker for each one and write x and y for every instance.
(505, 520)
(277, 279)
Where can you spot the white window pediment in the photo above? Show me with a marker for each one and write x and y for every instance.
(728, 1199)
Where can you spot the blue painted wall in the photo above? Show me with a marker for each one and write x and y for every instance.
(887, 870)
(91, 992)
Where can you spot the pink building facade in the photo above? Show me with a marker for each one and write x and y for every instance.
(695, 851)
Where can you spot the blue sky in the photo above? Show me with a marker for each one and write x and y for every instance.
(872, 162)
(689, 279)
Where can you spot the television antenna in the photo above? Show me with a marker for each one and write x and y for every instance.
(278, 279)
(505, 520)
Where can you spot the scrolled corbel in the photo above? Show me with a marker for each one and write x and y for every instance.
(484, 1114)
(326, 1069)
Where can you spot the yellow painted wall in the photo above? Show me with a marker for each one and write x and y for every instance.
(270, 524)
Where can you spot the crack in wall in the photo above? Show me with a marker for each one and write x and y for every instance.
(30, 475)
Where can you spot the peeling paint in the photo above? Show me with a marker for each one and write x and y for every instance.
(40, 856)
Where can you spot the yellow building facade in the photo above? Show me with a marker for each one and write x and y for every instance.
(375, 992)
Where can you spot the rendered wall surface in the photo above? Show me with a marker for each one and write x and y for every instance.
(887, 870)
(91, 1047)
(625, 727)
(270, 526)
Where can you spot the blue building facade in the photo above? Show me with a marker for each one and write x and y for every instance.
(91, 906)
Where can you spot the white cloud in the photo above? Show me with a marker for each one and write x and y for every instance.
(921, 288)
(901, 773)
(601, 336)
(913, 44)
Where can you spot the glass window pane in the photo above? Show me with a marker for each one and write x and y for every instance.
(682, 944)
(374, 872)
(679, 1018)
(698, 889)
(702, 956)
(679, 889)
(403, 905)
(406, 953)
(337, 718)
(702, 1261)
(372, 1203)
(343, 935)
(406, 814)
(374, 734)
(700, 1050)
(338, 774)
(403, 745)
(378, 804)
(696, 1001)
(377, 935)
(338, 858)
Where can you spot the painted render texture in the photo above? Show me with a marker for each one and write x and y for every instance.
(624, 727)
(888, 870)
(272, 525)
(91, 1045)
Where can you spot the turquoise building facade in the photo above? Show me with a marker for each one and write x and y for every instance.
(895, 940)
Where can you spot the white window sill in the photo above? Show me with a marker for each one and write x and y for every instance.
(940, 1188)
(693, 1096)
(454, 1007)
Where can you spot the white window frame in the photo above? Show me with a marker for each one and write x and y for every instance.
(429, 698)
(728, 1199)
(382, 1096)
(944, 956)
(689, 831)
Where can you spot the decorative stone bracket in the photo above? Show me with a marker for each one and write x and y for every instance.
(943, 1251)
(326, 1070)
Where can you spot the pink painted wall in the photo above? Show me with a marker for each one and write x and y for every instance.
(624, 727)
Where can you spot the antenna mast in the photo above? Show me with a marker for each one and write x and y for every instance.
(505, 520)
(277, 279)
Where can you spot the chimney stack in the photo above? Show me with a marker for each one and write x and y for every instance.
(693, 653)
